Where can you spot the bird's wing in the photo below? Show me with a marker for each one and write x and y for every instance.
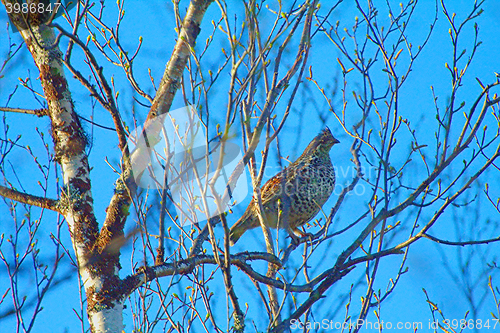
(272, 188)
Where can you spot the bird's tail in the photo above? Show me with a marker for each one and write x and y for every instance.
(235, 234)
(245, 223)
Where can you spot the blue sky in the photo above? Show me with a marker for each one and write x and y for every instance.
(427, 262)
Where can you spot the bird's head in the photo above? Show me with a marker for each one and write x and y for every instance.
(322, 142)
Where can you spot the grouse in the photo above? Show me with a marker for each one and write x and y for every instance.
(298, 191)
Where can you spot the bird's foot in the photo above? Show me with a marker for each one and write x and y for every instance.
(306, 236)
(295, 239)
(293, 236)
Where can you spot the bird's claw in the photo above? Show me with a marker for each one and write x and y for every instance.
(306, 236)
(295, 239)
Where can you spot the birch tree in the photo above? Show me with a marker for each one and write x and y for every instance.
(249, 72)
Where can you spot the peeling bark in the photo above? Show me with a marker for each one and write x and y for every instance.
(170, 82)
(76, 201)
(118, 208)
(68, 137)
(98, 260)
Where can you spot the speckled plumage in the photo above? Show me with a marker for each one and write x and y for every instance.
(308, 183)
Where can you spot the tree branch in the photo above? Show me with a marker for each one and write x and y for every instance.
(464, 243)
(186, 266)
(313, 297)
(29, 199)
(37, 112)
(118, 208)
(170, 82)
